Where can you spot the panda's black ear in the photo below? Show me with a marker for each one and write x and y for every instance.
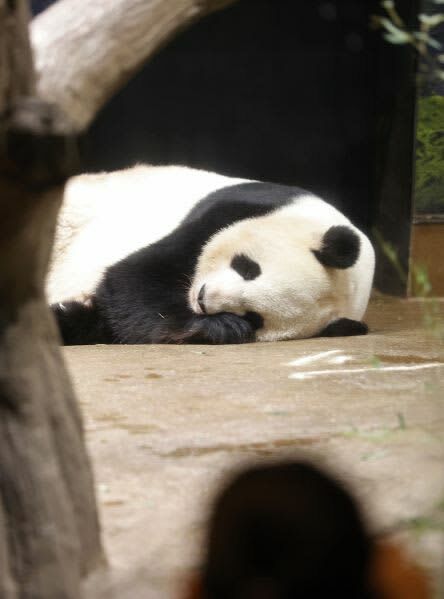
(339, 247)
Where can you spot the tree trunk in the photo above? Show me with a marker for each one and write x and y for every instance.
(16, 70)
(49, 533)
(83, 56)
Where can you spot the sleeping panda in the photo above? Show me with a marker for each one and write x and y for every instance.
(177, 255)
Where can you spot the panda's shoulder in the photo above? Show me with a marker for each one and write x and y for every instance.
(248, 197)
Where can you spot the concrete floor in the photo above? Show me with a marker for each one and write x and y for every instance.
(165, 423)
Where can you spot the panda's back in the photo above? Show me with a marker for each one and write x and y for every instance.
(107, 216)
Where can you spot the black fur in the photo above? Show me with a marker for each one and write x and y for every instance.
(340, 247)
(144, 297)
(344, 327)
(247, 268)
(81, 324)
(219, 329)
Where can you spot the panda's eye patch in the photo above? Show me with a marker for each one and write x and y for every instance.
(247, 268)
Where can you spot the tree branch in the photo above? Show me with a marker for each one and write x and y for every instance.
(83, 57)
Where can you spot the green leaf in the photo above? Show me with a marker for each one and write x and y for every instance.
(393, 39)
(395, 31)
(429, 180)
(422, 36)
(431, 20)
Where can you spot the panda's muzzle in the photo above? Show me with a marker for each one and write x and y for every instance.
(200, 299)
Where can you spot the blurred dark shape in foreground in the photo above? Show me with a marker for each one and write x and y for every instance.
(290, 530)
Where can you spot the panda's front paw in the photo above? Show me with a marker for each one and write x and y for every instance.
(220, 329)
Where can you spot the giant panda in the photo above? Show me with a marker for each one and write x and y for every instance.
(178, 255)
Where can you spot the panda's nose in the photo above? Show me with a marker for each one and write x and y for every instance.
(200, 299)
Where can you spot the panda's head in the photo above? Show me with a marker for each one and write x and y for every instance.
(294, 273)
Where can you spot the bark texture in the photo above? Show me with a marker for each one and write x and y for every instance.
(16, 72)
(49, 532)
(83, 56)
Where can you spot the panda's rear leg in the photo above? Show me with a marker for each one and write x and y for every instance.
(81, 323)
(344, 327)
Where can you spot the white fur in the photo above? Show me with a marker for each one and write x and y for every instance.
(295, 294)
(105, 217)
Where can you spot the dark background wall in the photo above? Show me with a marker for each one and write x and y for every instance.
(294, 92)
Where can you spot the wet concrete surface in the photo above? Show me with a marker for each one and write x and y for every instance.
(164, 425)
